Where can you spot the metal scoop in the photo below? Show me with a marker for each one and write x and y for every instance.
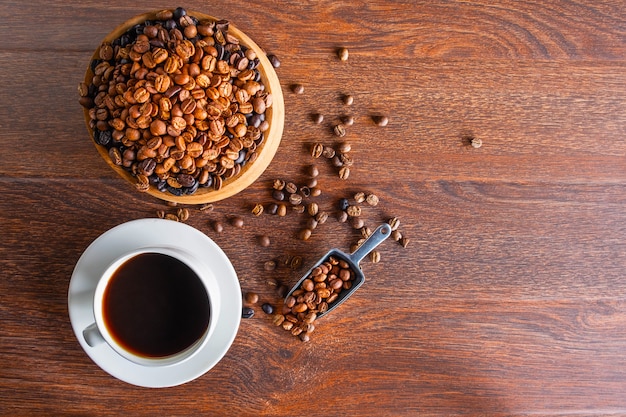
(378, 236)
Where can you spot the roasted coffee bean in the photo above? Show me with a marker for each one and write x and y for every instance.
(257, 210)
(237, 221)
(381, 120)
(372, 200)
(476, 143)
(316, 150)
(247, 312)
(272, 208)
(297, 88)
(394, 222)
(295, 199)
(270, 266)
(343, 204)
(328, 152)
(348, 99)
(313, 171)
(344, 147)
(251, 297)
(278, 195)
(318, 118)
(298, 209)
(343, 54)
(183, 214)
(404, 241)
(311, 223)
(278, 319)
(264, 240)
(278, 185)
(321, 217)
(312, 209)
(267, 308)
(342, 217)
(375, 256)
(344, 173)
(218, 227)
(396, 235)
(282, 210)
(274, 60)
(356, 222)
(304, 234)
(304, 337)
(339, 130)
(291, 188)
(354, 211)
(347, 120)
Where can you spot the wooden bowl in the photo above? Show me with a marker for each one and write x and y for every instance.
(275, 115)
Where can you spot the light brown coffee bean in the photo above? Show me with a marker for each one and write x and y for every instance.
(251, 297)
(343, 54)
(339, 130)
(344, 173)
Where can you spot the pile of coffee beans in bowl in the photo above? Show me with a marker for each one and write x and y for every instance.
(177, 102)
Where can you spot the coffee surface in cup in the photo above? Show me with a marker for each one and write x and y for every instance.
(155, 305)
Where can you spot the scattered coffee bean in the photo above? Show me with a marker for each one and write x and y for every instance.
(278, 319)
(316, 192)
(343, 204)
(375, 256)
(347, 120)
(278, 195)
(311, 183)
(321, 217)
(297, 88)
(305, 191)
(381, 120)
(282, 290)
(236, 221)
(291, 188)
(394, 222)
(267, 308)
(298, 209)
(218, 227)
(348, 99)
(279, 184)
(160, 214)
(207, 207)
(270, 266)
(354, 211)
(183, 214)
(318, 118)
(304, 337)
(247, 312)
(339, 130)
(316, 150)
(366, 232)
(396, 235)
(296, 262)
(344, 147)
(313, 171)
(271, 282)
(328, 152)
(476, 142)
(264, 240)
(295, 199)
(311, 223)
(257, 210)
(272, 208)
(343, 54)
(356, 222)
(359, 197)
(251, 297)
(344, 173)
(312, 208)
(171, 216)
(282, 210)
(304, 234)
(274, 60)
(404, 241)
(342, 217)
(372, 200)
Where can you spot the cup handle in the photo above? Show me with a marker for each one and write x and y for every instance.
(92, 335)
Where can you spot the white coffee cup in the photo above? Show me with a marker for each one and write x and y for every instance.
(99, 332)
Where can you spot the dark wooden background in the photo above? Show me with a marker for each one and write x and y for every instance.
(511, 296)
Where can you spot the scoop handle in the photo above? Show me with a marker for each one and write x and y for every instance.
(381, 233)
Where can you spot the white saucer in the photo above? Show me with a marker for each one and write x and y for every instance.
(153, 232)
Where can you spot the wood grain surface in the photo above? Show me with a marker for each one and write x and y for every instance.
(510, 298)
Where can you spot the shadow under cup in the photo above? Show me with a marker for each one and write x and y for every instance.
(154, 306)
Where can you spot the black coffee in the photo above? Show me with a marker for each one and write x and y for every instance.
(155, 305)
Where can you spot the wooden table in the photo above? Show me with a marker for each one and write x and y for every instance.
(510, 297)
